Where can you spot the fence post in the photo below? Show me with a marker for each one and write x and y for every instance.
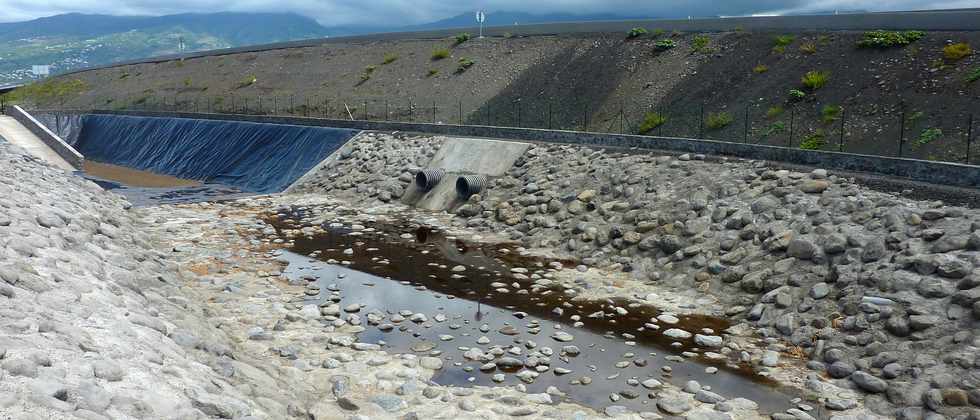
(246, 104)
(840, 143)
(586, 116)
(622, 119)
(745, 132)
(792, 120)
(291, 109)
(550, 114)
(460, 103)
(488, 114)
(306, 111)
(663, 113)
(969, 138)
(433, 112)
(326, 106)
(518, 112)
(701, 123)
(387, 114)
(901, 130)
(365, 113)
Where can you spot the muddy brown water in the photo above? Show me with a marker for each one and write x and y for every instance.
(144, 188)
(391, 274)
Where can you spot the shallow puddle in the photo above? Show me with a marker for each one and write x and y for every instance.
(488, 306)
(143, 188)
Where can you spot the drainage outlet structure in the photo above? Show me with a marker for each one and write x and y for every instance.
(427, 179)
(468, 185)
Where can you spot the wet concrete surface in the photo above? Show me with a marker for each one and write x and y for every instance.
(143, 188)
(387, 273)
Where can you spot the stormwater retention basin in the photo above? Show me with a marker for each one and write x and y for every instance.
(433, 295)
(250, 157)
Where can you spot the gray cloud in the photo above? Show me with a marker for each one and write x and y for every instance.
(406, 12)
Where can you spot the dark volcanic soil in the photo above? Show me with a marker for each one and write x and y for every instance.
(602, 82)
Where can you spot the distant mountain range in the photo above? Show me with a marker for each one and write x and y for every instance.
(76, 40)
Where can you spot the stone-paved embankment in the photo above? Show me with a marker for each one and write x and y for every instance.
(183, 313)
(95, 321)
(879, 293)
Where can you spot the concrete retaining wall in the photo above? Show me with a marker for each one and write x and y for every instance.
(49, 138)
(919, 170)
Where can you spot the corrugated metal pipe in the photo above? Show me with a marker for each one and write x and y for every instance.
(468, 185)
(427, 179)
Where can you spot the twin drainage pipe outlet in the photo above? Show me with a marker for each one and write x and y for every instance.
(466, 185)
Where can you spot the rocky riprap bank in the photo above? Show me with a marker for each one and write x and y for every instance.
(94, 322)
(182, 312)
(878, 293)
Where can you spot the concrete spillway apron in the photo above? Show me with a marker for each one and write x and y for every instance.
(459, 157)
(19, 135)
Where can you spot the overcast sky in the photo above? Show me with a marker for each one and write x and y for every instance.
(403, 12)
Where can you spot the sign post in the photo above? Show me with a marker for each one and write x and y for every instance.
(480, 18)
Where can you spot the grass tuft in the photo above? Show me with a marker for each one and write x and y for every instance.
(774, 111)
(814, 80)
(636, 33)
(717, 120)
(464, 64)
(651, 121)
(956, 52)
(830, 113)
(700, 44)
(664, 44)
(461, 38)
(440, 53)
(815, 141)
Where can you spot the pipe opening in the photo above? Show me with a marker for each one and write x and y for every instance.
(427, 179)
(468, 185)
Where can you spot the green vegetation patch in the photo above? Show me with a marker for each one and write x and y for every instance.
(651, 121)
(664, 44)
(464, 64)
(636, 33)
(48, 91)
(814, 79)
(461, 38)
(956, 52)
(700, 44)
(433, 72)
(830, 113)
(973, 76)
(717, 120)
(783, 40)
(774, 111)
(808, 48)
(440, 53)
(796, 95)
(773, 129)
(389, 58)
(888, 39)
(929, 135)
(247, 81)
(759, 69)
(814, 141)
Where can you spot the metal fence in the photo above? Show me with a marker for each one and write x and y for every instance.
(898, 129)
